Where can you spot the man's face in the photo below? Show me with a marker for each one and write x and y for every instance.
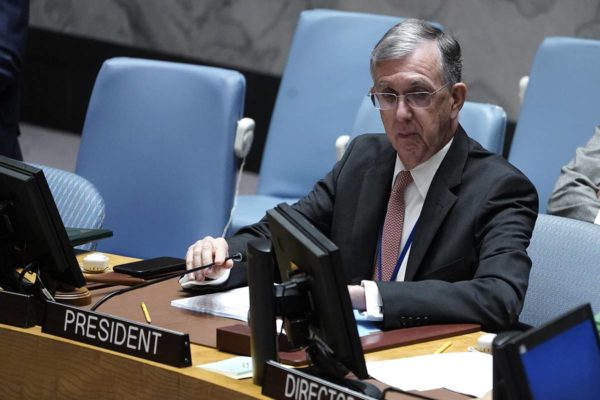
(418, 133)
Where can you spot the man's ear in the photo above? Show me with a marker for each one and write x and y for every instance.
(459, 95)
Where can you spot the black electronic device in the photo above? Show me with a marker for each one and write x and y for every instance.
(319, 313)
(261, 318)
(558, 360)
(79, 236)
(151, 267)
(32, 235)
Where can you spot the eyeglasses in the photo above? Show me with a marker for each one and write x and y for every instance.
(389, 101)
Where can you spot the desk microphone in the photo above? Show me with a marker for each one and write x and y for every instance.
(237, 257)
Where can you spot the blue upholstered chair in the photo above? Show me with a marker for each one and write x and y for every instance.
(565, 271)
(158, 144)
(559, 111)
(484, 122)
(326, 75)
(79, 203)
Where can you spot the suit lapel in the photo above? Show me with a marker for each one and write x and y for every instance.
(372, 202)
(439, 201)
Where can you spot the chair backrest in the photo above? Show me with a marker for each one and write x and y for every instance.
(559, 110)
(79, 203)
(565, 271)
(326, 75)
(484, 122)
(158, 144)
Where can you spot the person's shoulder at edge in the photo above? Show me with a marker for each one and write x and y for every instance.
(576, 193)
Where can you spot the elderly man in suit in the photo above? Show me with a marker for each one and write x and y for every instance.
(14, 18)
(431, 227)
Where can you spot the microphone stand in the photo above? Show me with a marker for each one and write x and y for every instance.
(236, 257)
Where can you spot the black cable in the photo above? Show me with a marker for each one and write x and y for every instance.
(396, 390)
(21, 276)
(32, 267)
(236, 257)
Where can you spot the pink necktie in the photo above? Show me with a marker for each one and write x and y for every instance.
(392, 226)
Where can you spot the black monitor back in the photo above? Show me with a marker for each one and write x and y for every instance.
(558, 360)
(302, 248)
(31, 229)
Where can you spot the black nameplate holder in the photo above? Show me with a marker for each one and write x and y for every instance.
(118, 334)
(18, 309)
(282, 383)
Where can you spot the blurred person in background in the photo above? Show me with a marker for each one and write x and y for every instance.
(14, 18)
(577, 191)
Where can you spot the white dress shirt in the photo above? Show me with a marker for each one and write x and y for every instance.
(414, 197)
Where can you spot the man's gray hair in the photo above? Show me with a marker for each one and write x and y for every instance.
(403, 38)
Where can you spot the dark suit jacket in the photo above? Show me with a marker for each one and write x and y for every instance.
(14, 16)
(468, 261)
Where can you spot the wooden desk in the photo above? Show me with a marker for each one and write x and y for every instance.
(35, 365)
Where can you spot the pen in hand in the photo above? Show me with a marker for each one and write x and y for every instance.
(146, 313)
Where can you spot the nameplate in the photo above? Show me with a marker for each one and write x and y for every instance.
(283, 383)
(118, 334)
(18, 309)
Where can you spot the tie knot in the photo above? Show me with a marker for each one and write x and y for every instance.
(403, 179)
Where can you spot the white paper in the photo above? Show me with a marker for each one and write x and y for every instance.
(236, 367)
(233, 303)
(466, 372)
(366, 326)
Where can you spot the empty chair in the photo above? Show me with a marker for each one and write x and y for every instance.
(79, 203)
(559, 110)
(326, 74)
(484, 122)
(565, 271)
(158, 143)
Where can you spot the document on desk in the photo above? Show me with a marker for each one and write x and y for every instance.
(233, 303)
(465, 372)
(236, 367)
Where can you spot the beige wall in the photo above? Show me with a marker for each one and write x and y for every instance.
(499, 37)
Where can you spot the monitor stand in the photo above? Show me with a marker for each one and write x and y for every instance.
(73, 296)
(16, 280)
(326, 366)
(293, 306)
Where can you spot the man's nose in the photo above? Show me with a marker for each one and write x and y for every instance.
(403, 110)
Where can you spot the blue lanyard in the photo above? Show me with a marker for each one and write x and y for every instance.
(400, 257)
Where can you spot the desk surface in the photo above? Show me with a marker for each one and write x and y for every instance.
(36, 365)
(158, 299)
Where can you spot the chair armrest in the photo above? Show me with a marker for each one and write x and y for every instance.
(523, 87)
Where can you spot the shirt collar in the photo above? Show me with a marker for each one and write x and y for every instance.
(423, 173)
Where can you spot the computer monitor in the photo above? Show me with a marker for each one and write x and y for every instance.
(304, 254)
(558, 360)
(32, 235)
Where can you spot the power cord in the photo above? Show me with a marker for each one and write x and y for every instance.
(32, 268)
(236, 257)
(244, 136)
(235, 196)
(411, 394)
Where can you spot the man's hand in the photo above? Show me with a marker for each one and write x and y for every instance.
(357, 296)
(207, 251)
